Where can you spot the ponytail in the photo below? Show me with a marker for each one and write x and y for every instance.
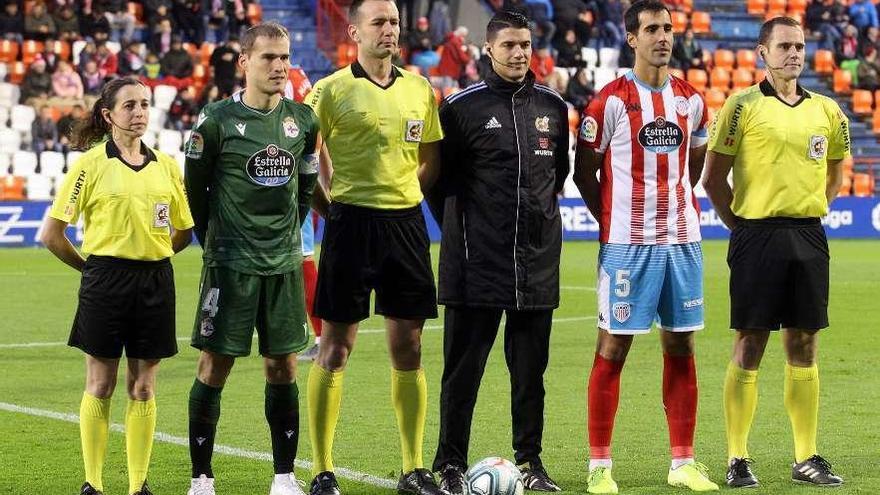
(95, 128)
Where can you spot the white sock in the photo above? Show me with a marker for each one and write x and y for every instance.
(677, 463)
(284, 476)
(605, 463)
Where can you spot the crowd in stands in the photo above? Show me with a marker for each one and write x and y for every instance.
(851, 31)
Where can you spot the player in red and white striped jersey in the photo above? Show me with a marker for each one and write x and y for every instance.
(646, 133)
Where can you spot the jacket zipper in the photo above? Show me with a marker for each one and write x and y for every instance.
(464, 232)
(518, 178)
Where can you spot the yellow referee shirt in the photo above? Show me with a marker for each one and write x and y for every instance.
(780, 151)
(126, 210)
(373, 135)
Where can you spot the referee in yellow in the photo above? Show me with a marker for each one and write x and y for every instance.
(382, 131)
(785, 146)
(136, 217)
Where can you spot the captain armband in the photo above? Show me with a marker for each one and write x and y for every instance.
(310, 164)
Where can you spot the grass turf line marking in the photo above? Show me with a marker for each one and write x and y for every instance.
(363, 330)
(341, 472)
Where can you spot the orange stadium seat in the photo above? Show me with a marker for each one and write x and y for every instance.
(16, 75)
(848, 166)
(687, 6)
(193, 51)
(756, 7)
(719, 79)
(863, 185)
(775, 7)
(574, 120)
(845, 186)
(701, 22)
(676, 72)
(438, 95)
(205, 52)
(679, 22)
(877, 95)
(255, 13)
(137, 10)
(862, 101)
(8, 51)
(697, 78)
(29, 50)
(798, 7)
(842, 80)
(12, 188)
(346, 53)
(745, 59)
(724, 59)
(760, 74)
(60, 48)
(875, 121)
(715, 99)
(742, 78)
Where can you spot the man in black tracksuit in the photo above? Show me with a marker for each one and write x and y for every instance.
(505, 158)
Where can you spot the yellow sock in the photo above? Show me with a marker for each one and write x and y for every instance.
(740, 401)
(324, 395)
(140, 424)
(409, 395)
(801, 394)
(94, 426)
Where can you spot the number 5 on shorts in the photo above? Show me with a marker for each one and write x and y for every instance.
(621, 283)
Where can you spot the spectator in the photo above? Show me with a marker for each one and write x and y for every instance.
(188, 19)
(131, 60)
(544, 68)
(88, 52)
(210, 94)
(819, 19)
(155, 11)
(569, 52)
(224, 65)
(869, 70)
(44, 132)
(687, 52)
(871, 40)
(627, 57)
(421, 53)
(862, 14)
(67, 24)
(217, 21)
(406, 18)
(152, 71)
(236, 12)
(438, 16)
(49, 56)
(12, 22)
(108, 62)
(455, 55)
(119, 18)
(574, 14)
(518, 6)
(183, 110)
(67, 86)
(94, 25)
(38, 25)
(65, 125)
(541, 14)
(177, 66)
(580, 90)
(848, 45)
(92, 79)
(37, 83)
(610, 20)
(160, 41)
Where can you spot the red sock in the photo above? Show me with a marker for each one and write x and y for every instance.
(310, 278)
(603, 394)
(680, 402)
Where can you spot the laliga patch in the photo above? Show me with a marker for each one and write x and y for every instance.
(542, 124)
(818, 147)
(160, 215)
(290, 128)
(195, 146)
(414, 130)
(621, 311)
(682, 106)
(589, 127)
(69, 210)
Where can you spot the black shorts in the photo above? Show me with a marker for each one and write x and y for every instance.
(367, 249)
(125, 304)
(778, 274)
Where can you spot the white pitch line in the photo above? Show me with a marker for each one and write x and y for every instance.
(578, 287)
(363, 330)
(341, 472)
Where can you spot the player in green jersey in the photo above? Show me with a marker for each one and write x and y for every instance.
(251, 170)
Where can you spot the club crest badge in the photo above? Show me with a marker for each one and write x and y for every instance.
(542, 124)
(818, 147)
(290, 128)
(621, 311)
(414, 130)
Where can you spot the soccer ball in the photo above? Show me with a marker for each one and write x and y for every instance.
(494, 476)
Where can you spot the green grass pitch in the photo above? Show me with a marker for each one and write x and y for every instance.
(41, 455)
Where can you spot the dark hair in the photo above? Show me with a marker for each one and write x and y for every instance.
(504, 19)
(353, 10)
(767, 27)
(631, 16)
(95, 128)
(269, 29)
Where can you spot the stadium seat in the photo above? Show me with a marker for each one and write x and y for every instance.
(719, 79)
(574, 119)
(823, 61)
(193, 51)
(205, 52)
(10, 140)
(114, 46)
(4, 69)
(875, 121)
(745, 59)
(775, 7)
(137, 10)
(78, 46)
(9, 95)
(863, 185)
(842, 81)
(16, 75)
(715, 99)
(5, 162)
(608, 57)
(149, 138)
(701, 22)
(796, 7)
(845, 186)
(169, 141)
(679, 22)
(760, 74)
(862, 101)
(11, 188)
(697, 78)
(59, 48)
(687, 6)
(255, 12)
(52, 164)
(346, 53)
(602, 76)
(39, 187)
(24, 163)
(29, 50)
(180, 158)
(756, 7)
(4, 116)
(21, 117)
(742, 78)
(8, 51)
(163, 96)
(72, 157)
(438, 95)
(724, 59)
(158, 117)
(590, 56)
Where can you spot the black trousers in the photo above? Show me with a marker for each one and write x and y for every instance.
(468, 337)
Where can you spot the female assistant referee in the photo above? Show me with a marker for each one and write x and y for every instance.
(136, 217)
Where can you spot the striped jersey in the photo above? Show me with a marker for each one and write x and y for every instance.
(646, 135)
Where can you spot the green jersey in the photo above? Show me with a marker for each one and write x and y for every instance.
(249, 177)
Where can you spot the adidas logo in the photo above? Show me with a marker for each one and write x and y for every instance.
(493, 124)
